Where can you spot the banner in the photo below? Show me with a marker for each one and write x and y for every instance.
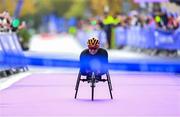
(167, 40)
(120, 36)
(148, 38)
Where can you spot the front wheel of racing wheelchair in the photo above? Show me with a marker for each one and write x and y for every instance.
(93, 80)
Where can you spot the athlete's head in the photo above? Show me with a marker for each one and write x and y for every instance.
(93, 45)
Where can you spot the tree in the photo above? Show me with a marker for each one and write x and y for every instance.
(77, 9)
(97, 6)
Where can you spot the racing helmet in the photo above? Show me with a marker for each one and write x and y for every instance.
(93, 43)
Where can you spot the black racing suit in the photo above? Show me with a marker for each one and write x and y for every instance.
(97, 63)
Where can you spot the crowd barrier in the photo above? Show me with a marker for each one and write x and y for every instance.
(12, 57)
(131, 64)
(147, 38)
(10, 46)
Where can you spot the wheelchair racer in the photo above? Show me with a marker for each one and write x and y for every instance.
(93, 59)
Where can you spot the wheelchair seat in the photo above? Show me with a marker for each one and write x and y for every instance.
(97, 80)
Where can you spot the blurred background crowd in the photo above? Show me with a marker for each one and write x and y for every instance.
(86, 18)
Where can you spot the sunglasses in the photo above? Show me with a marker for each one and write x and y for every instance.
(93, 48)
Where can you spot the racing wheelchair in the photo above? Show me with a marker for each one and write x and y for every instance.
(92, 82)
